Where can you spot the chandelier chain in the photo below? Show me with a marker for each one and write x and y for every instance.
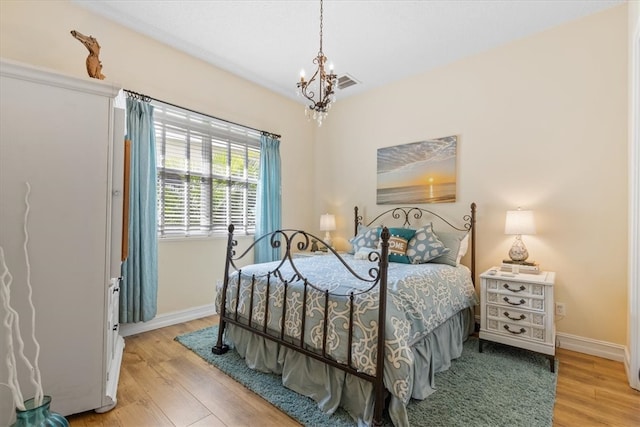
(321, 15)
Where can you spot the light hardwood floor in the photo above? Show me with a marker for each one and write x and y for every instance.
(164, 384)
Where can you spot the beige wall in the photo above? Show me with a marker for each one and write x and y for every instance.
(37, 32)
(542, 124)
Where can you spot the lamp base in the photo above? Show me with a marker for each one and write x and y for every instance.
(327, 239)
(518, 251)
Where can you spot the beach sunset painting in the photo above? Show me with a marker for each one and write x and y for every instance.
(418, 172)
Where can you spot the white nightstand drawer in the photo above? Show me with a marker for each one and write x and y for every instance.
(515, 288)
(516, 301)
(516, 330)
(517, 317)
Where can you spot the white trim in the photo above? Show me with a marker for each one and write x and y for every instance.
(21, 71)
(590, 346)
(627, 365)
(110, 400)
(127, 329)
(632, 361)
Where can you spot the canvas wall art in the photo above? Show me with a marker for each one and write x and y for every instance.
(418, 172)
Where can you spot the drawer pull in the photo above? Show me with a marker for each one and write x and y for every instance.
(506, 286)
(522, 316)
(521, 331)
(513, 303)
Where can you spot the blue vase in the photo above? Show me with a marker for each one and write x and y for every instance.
(33, 416)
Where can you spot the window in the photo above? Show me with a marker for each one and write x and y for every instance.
(207, 173)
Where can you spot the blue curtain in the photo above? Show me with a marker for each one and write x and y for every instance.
(139, 289)
(269, 203)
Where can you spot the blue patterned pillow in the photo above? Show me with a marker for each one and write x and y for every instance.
(398, 244)
(425, 246)
(366, 238)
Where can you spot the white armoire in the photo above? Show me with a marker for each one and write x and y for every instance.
(64, 137)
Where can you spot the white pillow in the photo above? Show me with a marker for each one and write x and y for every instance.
(363, 253)
(464, 247)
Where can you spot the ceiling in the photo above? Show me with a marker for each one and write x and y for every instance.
(374, 42)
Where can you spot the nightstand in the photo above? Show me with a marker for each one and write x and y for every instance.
(517, 310)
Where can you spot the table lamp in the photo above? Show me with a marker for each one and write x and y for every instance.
(519, 222)
(327, 224)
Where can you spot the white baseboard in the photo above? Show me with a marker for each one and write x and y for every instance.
(167, 319)
(590, 346)
(633, 377)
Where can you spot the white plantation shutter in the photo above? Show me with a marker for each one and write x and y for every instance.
(207, 173)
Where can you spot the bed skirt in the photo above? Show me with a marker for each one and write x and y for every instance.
(332, 388)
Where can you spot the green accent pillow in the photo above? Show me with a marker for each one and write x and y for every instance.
(452, 240)
(425, 246)
(366, 238)
(398, 243)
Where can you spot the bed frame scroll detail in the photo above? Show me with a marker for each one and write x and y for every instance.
(378, 277)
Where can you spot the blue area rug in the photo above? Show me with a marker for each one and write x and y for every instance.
(503, 386)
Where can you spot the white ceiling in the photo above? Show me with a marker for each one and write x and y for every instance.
(375, 42)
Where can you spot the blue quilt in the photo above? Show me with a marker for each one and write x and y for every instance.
(420, 298)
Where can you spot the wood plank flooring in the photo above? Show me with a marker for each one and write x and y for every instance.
(164, 384)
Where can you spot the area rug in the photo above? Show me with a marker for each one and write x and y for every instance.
(502, 386)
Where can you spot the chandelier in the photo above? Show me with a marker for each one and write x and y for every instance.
(321, 84)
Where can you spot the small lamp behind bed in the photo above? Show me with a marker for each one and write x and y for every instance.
(327, 224)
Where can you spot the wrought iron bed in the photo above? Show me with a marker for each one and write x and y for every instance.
(288, 273)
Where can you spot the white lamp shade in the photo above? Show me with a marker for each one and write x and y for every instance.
(327, 222)
(519, 222)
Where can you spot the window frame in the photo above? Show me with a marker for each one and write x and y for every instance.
(182, 135)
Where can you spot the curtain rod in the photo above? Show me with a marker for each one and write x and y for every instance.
(146, 98)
